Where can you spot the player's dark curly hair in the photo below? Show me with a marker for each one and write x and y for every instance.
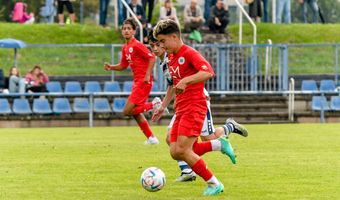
(165, 27)
(132, 22)
(151, 37)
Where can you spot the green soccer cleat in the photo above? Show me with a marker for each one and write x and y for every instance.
(238, 128)
(213, 189)
(227, 149)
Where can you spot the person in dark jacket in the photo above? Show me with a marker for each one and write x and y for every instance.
(218, 17)
(137, 9)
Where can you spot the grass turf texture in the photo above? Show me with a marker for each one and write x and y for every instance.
(298, 161)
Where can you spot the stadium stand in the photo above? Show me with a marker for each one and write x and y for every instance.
(73, 87)
(92, 86)
(320, 103)
(5, 108)
(327, 86)
(118, 105)
(335, 103)
(41, 106)
(101, 105)
(54, 86)
(81, 105)
(61, 106)
(21, 107)
(111, 86)
(309, 85)
(127, 86)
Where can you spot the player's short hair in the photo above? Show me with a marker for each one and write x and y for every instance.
(132, 22)
(165, 27)
(151, 37)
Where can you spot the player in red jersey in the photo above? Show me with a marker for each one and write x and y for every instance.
(141, 60)
(189, 70)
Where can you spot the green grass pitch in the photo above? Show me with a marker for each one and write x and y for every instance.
(286, 161)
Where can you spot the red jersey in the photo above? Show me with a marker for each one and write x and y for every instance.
(137, 55)
(186, 62)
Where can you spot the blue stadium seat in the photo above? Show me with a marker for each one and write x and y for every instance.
(101, 105)
(41, 106)
(61, 106)
(54, 86)
(155, 87)
(81, 105)
(92, 86)
(21, 107)
(118, 105)
(127, 86)
(335, 103)
(73, 87)
(327, 86)
(320, 102)
(5, 107)
(112, 86)
(309, 85)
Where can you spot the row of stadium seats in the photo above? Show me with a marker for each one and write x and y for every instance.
(91, 86)
(325, 86)
(61, 106)
(321, 103)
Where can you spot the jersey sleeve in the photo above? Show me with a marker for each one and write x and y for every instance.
(199, 62)
(144, 52)
(123, 62)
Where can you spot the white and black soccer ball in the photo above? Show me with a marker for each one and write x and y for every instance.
(153, 179)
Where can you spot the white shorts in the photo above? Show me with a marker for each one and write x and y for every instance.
(208, 125)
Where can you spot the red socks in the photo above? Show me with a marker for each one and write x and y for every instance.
(144, 126)
(202, 170)
(202, 147)
(140, 109)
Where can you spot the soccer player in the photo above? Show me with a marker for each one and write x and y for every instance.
(189, 70)
(141, 61)
(208, 131)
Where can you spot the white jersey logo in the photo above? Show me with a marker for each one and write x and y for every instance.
(175, 72)
(130, 49)
(181, 60)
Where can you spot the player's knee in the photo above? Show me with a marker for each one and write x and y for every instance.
(127, 112)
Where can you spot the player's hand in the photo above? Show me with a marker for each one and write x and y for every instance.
(157, 114)
(180, 87)
(107, 66)
(147, 78)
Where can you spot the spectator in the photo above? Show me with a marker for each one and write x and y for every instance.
(193, 17)
(168, 11)
(219, 17)
(3, 88)
(137, 9)
(48, 11)
(150, 4)
(145, 32)
(103, 5)
(255, 10)
(315, 9)
(16, 84)
(36, 80)
(283, 8)
(265, 11)
(70, 9)
(20, 15)
(207, 6)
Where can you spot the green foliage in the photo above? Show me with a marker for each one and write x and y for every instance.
(287, 161)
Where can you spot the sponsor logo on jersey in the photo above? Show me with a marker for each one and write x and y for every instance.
(181, 60)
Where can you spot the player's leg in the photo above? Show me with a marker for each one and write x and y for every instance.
(144, 126)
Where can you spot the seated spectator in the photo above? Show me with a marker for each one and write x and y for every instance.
(36, 80)
(193, 17)
(16, 84)
(137, 9)
(3, 88)
(168, 11)
(218, 17)
(20, 15)
(144, 31)
(70, 10)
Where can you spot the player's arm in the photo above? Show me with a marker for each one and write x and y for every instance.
(170, 93)
(200, 76)
(151, 64)
(116, 67)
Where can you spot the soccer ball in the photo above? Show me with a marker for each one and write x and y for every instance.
(153, 179)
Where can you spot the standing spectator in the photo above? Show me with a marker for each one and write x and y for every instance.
(265, 11)
(36, 80)
(48, 11)
(283, 7)
(20, 14)
(315, 9)
(103, 5)
(150, 4)
(137, 9)
(219, 17)
(70, 9)
(255, 10)
(16, 84)
(193, 17)
(207, 6)
(168, 11)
